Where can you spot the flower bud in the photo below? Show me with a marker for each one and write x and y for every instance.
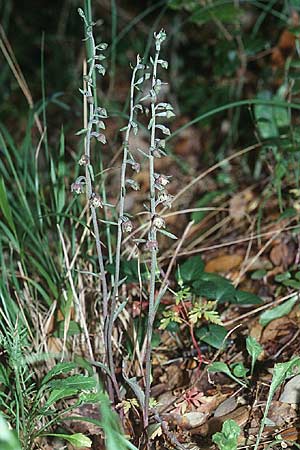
(84, 160)
(136, 167)
(161, 181)
(158, 222)
(78, 185)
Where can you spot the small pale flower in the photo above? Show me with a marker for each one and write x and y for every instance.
(127, 225)
(136, 167)
(152, 244)
(165, 199)
(158, 222)
(84, 160)
(96, 201)
(133, 184)
(78, 185)
(161, 181)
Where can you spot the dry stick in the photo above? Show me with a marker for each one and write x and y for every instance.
(76, 299)
(111, 318)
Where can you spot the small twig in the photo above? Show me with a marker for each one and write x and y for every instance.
(121, 222)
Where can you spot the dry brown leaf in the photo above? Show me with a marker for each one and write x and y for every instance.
(223, 263)
(284, 48)
(238, 204)
(226, 407)
(54, 345)
(291, 392)
(281, 413)
(195, 418)
(280, 254)
(213, 425)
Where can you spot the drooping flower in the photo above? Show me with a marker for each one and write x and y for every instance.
(78, 186)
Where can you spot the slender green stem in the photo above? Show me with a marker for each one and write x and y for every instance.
(115, 294)
(88, 168)
(90, 52)
(151, 238)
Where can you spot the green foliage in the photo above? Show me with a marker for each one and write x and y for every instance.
(77, 440)
(213, 335)
(205, 310)
(228, 438)
(219, 366)
(190, 270)
(210, 285)
(280, 373)
(254, 349)
(8, 440)
(278, 311)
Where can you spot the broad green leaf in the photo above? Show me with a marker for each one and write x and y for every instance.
(219, 366)
(227, 439)
(247, 298)
(280, 373)
(258, 274)
(60, 368)
(73, 329)
(79, 382)
(282, 277)
(213, 335)
(59, 394)
(277, 312)
(191, 269)
(214, 287)
(254, 349)
(265, 117)
(78, 440)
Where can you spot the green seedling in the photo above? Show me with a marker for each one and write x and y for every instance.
(227, 439)
(254, 349)
(219, 366)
